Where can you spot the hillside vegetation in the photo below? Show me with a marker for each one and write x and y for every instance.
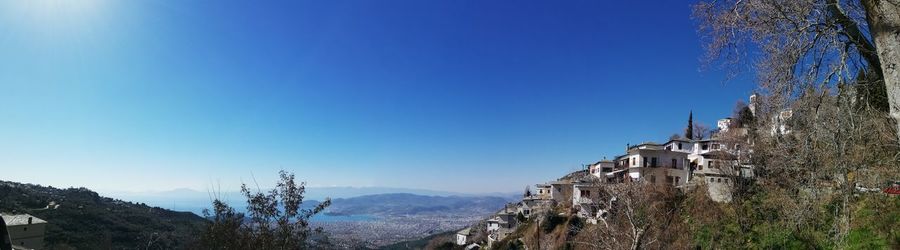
(85, 220)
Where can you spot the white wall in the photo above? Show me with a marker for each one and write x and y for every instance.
(29, 236)
(686, 147)
(460, 239)
(493, 226)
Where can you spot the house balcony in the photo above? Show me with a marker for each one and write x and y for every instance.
(584, 200)
(669, 166)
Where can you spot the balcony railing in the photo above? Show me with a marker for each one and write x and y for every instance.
(583, 200)
(660, 166)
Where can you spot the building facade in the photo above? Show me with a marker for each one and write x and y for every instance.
(25, 230)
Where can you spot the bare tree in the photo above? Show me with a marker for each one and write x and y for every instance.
(675, 136)
(822, 141)
(640, 216)
(807, 42)
(701, 131)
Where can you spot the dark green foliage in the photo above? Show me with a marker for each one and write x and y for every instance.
(446, 246)
(743, 116)
(514, 244)
(575, 225)
(85, 220)
(689, 131)
(274, 220)
(419, 243)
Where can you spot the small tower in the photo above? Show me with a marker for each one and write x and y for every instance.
(752, 104)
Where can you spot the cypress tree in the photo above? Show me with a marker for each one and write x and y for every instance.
(689, 131)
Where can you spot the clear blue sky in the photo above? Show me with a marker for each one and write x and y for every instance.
(468, 96)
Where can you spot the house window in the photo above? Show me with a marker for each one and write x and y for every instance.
(645, 161)
(677, 179)
(679, 146)
(704, 146)
(585, 193)
(715, 146)
(607, 169)
(669, 148)
(699, 167)
(674, 163)
(653, 162)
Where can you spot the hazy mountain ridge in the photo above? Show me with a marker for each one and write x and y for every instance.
(195, 201)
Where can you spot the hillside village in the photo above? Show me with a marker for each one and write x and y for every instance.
(714, 162)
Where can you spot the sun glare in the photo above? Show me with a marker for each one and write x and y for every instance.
(44, 13)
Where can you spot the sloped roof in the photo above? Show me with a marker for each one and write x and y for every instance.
(679, 139)
(21, 219)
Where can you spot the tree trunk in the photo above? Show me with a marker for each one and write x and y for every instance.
(883, 17)
(636, 242)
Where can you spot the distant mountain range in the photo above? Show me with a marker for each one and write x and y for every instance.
(195, 201)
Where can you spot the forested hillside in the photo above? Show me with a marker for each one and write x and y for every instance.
(81, 219)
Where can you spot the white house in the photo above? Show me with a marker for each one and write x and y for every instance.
(585, 193)
(561, 191)
(680, 145)
(655, 164)
(543, 191)
(493, 224)
(524, 208)
(25, 230)
(462, 236)
(586, 199)
(724, 124)
(601, 168)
